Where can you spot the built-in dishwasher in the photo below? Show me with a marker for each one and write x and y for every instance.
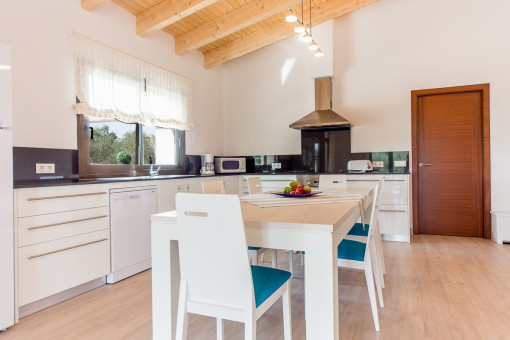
(130, 212)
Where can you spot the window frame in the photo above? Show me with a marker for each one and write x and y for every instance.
(88, 170)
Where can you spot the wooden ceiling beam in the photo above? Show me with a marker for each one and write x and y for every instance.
(91, 5)
(235, 20)
(166, 13)
(280, 30)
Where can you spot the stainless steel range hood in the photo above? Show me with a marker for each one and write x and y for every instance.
(323, 118)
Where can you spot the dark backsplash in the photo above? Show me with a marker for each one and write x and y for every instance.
(66, 163)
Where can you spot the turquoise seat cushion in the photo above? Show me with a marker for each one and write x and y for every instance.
(266, 281)
(351, 250)
(253, 248)
(357, 230)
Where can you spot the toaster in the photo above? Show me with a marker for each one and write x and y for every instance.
(359, 166)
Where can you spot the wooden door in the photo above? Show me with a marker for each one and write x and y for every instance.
(451, 183)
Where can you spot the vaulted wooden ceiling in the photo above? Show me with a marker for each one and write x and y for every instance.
(223, 30)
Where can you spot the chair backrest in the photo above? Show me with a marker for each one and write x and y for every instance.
(212, 249)
(372, 211)
(213, 187)
(332, 181)
(254, 185)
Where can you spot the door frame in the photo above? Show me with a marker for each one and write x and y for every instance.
(486, 170)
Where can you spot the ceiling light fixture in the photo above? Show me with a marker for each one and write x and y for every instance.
(307, 37)
(299, 29)
(318, 53)
(291, 17)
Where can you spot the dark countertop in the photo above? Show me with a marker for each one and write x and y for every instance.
(75, 181)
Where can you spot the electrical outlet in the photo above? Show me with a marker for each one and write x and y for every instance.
(44, 168)
(378, 164)
(276, 166)
(399, 164)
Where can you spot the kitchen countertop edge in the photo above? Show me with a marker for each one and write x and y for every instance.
(73, 181)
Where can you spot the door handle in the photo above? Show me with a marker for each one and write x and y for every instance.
(421, 165)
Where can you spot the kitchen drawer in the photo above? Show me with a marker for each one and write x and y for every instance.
(395, 192)
(37, 201)
(49, 227)
(393, 207)
(394, 222)
(48, 268)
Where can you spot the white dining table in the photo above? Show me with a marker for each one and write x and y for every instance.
(316, 229)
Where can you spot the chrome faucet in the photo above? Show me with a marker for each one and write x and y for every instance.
(153, 173)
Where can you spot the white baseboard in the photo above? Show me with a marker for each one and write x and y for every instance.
(128, 271)
(49, 301)
(396, 238)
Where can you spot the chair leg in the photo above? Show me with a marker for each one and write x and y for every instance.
(376, 271)
(291, 263)
(274, 258)
(378, 239)
(253, 256)
(369, 276)
(182, 314)
(219, 329)
(287, 321)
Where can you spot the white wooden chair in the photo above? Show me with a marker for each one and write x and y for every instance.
(216, 277)
(358, 232)
(213, 187)
(255, 187)
(360, 255)
(218, 187)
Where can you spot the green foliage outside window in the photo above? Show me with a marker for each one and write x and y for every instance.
(106, 145)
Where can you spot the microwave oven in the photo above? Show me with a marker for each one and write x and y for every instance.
(225, 165)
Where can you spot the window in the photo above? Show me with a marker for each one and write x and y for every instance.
(129, 113)
(101, 140)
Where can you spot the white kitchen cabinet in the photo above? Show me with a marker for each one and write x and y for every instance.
(62, 240)
(394, 208)
(269, 182)
(167, 189)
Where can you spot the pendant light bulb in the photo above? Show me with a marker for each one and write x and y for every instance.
(318, 53)
(299, 29)
(313, 46)
(291, 18)
(307, 37)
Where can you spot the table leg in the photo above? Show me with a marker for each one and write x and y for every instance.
(165, 283)
(321, 289)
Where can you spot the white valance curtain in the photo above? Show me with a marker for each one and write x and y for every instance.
(111, 84)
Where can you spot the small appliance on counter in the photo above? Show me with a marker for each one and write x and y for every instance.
(233, 165)
(207, 165)
(359, 166)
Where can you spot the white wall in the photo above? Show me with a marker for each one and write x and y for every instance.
(381, 53)
(43, 86)
(265, 91)
(392, 47)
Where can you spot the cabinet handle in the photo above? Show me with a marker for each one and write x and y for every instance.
(394, 180)
(394, 210)
(65, 196)
(68, 248)
(362, 180)
(66, 222)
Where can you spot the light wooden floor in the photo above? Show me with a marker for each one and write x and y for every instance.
(436, 288)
